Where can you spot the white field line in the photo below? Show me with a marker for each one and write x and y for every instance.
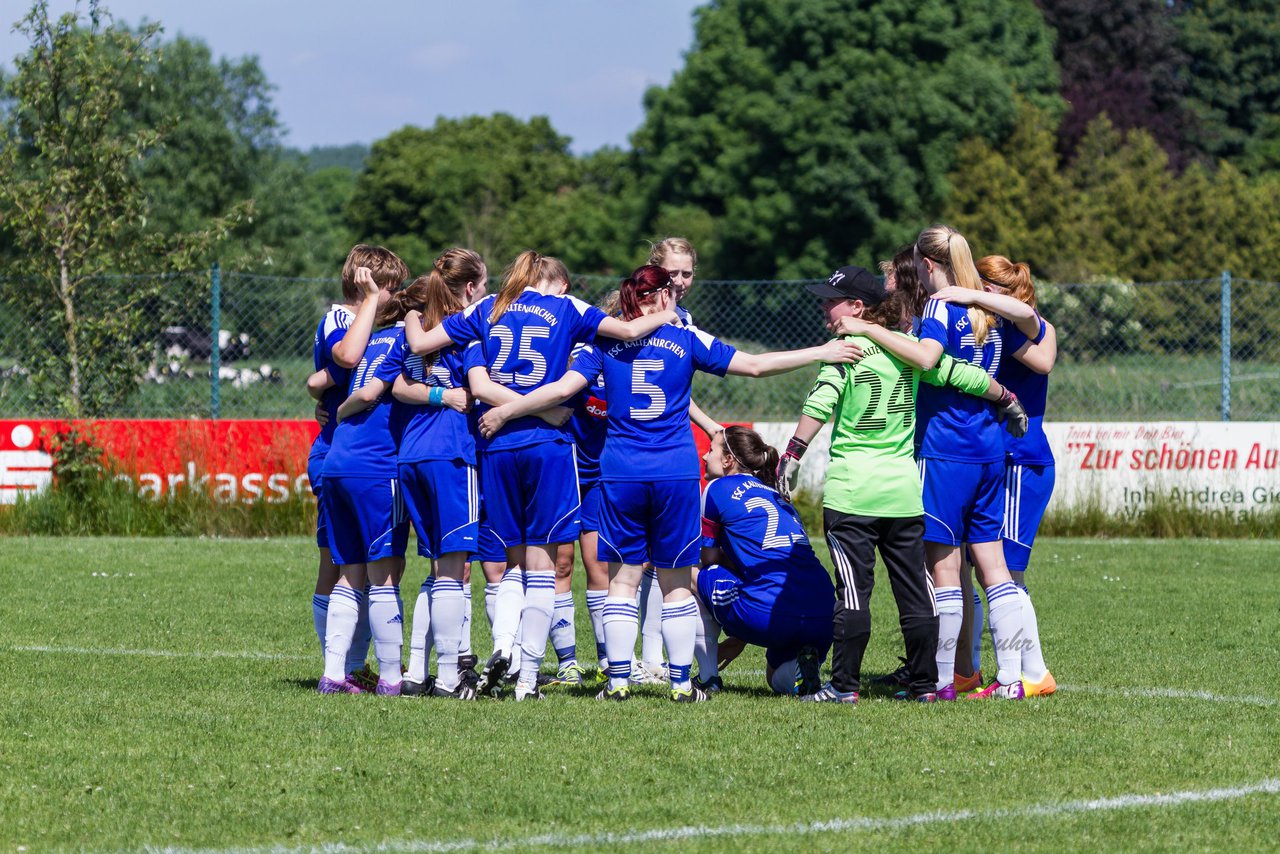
(1050, 810)
(1172, 694)
(164, 653)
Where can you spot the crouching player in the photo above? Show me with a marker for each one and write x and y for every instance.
(760, 580)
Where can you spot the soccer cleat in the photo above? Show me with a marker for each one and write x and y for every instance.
(366, 679)
(828, 694)
(491, 677)
(965, 684)
(907, 696)
(464, 691)
(900, 678)
(467, 669)
(388, 689)
(643, 673)
(409, 688)
(330, 686)
(947, 693)
(810, 680)
(692, 694)
(1003, 692)
(524, 692)
(601, 676)
(1043, 688)
(617, 695)
(714, 685)
(569, 674)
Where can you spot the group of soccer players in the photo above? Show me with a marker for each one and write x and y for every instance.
(504, 427)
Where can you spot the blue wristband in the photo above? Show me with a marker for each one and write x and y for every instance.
(435, 397)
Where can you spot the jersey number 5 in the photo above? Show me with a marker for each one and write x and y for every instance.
(639, 385)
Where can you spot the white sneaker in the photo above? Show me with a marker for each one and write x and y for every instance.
(643, 673)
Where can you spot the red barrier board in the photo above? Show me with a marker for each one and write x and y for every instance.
(230, 460)
(245, 461)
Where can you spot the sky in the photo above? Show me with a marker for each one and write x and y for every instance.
(347, 72)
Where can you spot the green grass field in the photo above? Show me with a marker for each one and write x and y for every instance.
(160, 694)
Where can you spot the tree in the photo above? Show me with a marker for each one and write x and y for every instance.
(480, 182)
(1121, 58)
(75, 209)
(1233, 85)
(1013, 200)
(819, 132)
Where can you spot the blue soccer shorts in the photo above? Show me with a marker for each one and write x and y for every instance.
(367, 520)
(782, 635)
(443, 500)
(590, 513)
(315, 474)
(531, 494)
(655, 521)
(1027, 490)
(963, 502)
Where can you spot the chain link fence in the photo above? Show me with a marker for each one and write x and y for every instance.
(1199, 349)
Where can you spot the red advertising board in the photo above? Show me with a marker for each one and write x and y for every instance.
(244, 461)
(230, 460)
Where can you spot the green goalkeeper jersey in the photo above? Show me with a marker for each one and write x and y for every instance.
(873, 470)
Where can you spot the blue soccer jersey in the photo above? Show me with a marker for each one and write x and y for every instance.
(648, 381)
(589, 422)
(952, 425)
(365, 444)
(763, 536)
(333, 326)
(528, 347)
(1032, 390)
(435, 432)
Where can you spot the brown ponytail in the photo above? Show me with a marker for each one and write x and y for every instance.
(753, 454)
(1014, 278)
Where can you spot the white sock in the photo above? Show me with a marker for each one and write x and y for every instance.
(448, 610)
(978, 624)
(1033, 666)
(950, 605)
(1004, 607)
(358, 653)
(651, 619)
(320, 617)
(491, 603)
(506, 610)
(784, 677)
(535, 623)
(340, 627)
(465, 647)
(621, 623)
(563, 634)
(420, 639)
(706, 647)
(386, 622)
(680, 623)
(595, 610)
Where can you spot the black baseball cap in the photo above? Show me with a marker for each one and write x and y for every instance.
(852, 282)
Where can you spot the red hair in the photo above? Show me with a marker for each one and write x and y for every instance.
(640, 285)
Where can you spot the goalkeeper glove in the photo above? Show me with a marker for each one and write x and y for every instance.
(789, 467)
(1010, 413)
